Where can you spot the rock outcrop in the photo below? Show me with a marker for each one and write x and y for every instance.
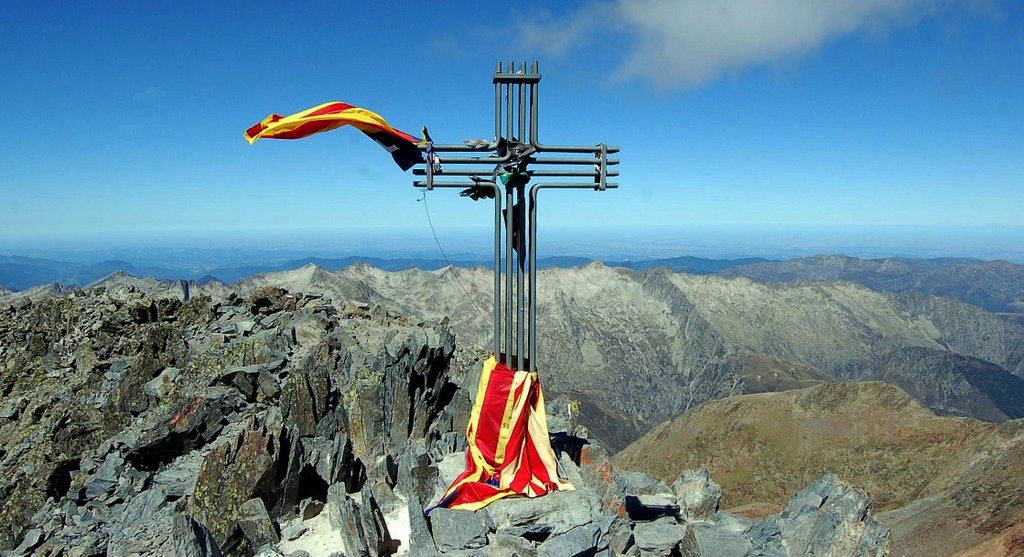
(121, 414)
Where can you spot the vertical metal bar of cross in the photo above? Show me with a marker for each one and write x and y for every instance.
(516, 146)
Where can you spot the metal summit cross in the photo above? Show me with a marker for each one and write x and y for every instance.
(512, 161)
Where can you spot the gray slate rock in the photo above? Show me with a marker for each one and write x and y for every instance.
(713, 539)
(346, 517)
(421, 542)
(827, 517)
(455, 529)
(294, 531)
(31, 540)
(105, 478)
(638, 483)
(192, 539)
(582, 540)
(255, 523)
(658, 539)
(503, 544)
(560, 511)
(162, 385)
(698, 495)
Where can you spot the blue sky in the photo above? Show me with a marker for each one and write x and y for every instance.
(126, 118)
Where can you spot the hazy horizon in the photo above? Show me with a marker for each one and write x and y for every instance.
(460, 243)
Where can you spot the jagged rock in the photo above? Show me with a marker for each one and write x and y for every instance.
(162, 385)
(192, 424)
(421, 542)
(638, 483)
(360, 522)
(294, 531)
(32, 539)
(310, 508)
(238, 468)
(374, 526)
(179, 477)
(698, 495)
(256, 525)
(766, 538)
(619, 536)
(713, 539)
(659, 538)
(558, 511)
(345, 517)
(105, 478)
(192, 539)
(145, 524)
(455, 529)
(12, 408)
(503, 544)
(829, 515)
(416, 476)
(581, 540)
(597, 474)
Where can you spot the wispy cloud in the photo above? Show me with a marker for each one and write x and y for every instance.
(680, 43)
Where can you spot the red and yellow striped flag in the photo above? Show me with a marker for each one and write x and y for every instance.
(509, 449)
(332, 115)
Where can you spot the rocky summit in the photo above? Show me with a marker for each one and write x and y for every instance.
(290, 424)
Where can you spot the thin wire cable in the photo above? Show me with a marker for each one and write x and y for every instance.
(455, 272)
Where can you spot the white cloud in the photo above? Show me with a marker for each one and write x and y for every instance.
(675, 43)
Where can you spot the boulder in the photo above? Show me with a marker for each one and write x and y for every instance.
(238, 468)
(713, 539)
(162, 385)
(581, 540)
(360, 522)
(698, 495)
(192, 539)
(827, 517)
(557, 512)
(456, 529)
(421, 542)
(345, 517)
(255, 523)
(657, 539)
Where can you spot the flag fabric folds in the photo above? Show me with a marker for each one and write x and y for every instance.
(509, 449)
(332, 115)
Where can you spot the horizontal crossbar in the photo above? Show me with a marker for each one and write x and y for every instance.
(544, 173)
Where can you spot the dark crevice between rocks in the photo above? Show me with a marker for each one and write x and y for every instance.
(415, 388)
(208, 423)
(59, 480)
(311, 485)
(287, 441)
(444, 398)
(356, 476)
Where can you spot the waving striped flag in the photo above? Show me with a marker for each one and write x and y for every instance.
(509, 449)
(329, 116)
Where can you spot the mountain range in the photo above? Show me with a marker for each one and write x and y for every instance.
(638, 348)
(997, 286)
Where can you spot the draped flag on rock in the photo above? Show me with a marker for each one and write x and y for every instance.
(509, 449)
(332, 115)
